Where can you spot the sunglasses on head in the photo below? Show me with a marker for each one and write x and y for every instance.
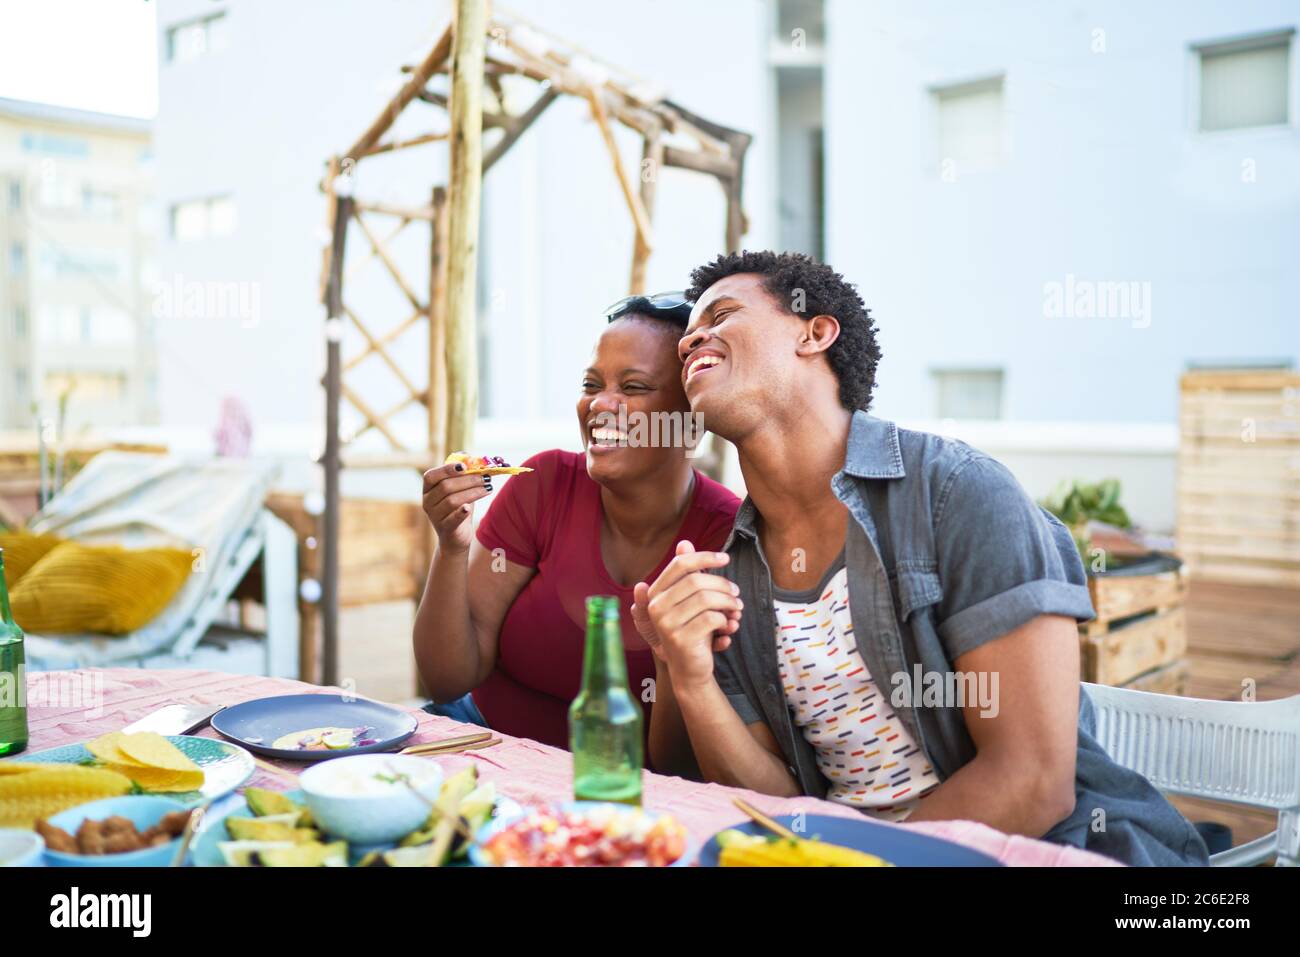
(663, 303)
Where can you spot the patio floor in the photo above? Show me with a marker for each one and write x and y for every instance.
(1239, 633)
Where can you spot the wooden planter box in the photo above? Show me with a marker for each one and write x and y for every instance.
(1239, 477)
(384, 553)
(1139, 637)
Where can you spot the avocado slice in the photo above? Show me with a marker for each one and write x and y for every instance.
(264, 803)
(314, 854)
(278, 827)
(426, 855)
(243, 853)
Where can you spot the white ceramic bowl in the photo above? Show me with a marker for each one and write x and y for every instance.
(19, 848)
(349, 800)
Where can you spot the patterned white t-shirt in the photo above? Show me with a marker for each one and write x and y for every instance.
(862, 747)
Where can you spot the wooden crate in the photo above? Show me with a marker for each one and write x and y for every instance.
(1239, 477)
(1140, 628)
(384, 553)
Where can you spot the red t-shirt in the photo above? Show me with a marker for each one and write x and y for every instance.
(551, 521)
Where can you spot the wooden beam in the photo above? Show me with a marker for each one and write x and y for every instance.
(377, 347)
(387, 338)
(393, 145)
(723, 168)
(358, 264)
(410, 89)
(491, 118)
(374, 420)
(639, 218)
(332, 461)
(652, 161)
(401, 212)
(436, 398)
(737, 223)
(391, 266)
(465, 187)
(519, 126)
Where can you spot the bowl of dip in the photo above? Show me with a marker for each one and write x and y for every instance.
(372, 798)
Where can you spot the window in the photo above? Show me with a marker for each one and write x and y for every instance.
(109, 326)
(60, 324)
(17, 259)
(56, 145)
(1245, 83)
(62, 263)
(100, 204)
(15, 194)
(20, 322)
(968, 393)
(802, 22)
(197, 38)
(221, 216)
(970, 124)
(21, 385)
(58, 191)
(203, 218)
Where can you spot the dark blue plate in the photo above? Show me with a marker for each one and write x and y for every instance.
(255, 724)
(901, 847)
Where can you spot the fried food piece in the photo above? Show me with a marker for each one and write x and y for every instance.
(90, 837)
(117, 825)
(56, 838)
(173, 823)
(120, 841)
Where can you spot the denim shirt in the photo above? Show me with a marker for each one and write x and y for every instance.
(945, 552)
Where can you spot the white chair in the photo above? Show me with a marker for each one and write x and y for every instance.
(1243, 752)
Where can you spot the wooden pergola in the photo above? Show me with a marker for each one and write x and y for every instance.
(480, 53)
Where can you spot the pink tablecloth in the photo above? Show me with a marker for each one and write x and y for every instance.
(69, 706)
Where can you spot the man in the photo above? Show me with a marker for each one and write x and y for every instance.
(892, 622)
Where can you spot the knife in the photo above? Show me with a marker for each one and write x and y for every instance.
(174, 719)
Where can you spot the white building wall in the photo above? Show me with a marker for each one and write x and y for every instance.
(1106, 179)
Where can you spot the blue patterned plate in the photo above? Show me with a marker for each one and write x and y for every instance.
(225, 766)
(898, 845)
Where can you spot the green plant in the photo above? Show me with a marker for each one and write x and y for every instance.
(1077, 503)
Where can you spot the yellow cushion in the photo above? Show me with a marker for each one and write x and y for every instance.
(99, 588)
(22, 551)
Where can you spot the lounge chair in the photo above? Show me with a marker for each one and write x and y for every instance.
(212, 506)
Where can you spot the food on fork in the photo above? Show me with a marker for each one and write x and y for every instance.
(485, 464)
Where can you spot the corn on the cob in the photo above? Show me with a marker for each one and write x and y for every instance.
(38, 791)
(745, 850)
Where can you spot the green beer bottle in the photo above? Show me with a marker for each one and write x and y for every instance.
(605, 720)
(13, 691)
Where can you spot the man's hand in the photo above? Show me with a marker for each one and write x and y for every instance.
(687, 614)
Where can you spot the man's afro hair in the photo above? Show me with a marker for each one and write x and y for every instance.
(807, 288)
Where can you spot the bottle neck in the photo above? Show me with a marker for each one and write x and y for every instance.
(604, 666)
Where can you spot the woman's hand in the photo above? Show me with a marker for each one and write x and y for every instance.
(449, 499)
(688, 614)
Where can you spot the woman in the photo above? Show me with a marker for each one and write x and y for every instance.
(503, 619)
